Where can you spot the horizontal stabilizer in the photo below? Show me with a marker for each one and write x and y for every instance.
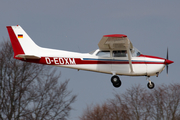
(27, 56)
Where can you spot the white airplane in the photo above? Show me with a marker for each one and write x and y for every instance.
(116, 55)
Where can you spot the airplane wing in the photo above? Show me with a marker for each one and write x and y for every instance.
(117, 42)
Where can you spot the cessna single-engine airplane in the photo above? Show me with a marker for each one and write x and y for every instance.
(116, 55)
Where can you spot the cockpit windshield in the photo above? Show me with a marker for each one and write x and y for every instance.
(92, 52)
(135, 52)
(104, 54)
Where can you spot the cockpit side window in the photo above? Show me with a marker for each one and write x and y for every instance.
(103, 53)
(120, 53)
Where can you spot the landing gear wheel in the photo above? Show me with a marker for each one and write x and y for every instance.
(150, 86)
(117, 84)
(115, 81)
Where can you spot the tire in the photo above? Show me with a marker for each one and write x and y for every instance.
(115, 81)
(150, 86)
(117, 84)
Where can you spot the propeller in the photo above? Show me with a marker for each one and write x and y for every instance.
(167, 62)
(167, 58)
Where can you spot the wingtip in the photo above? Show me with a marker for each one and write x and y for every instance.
(115, 35)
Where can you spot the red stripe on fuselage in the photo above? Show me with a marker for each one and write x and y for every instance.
(148, 56)
(78, 61)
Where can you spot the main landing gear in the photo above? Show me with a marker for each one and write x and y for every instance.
(116, 81)
(150, 84)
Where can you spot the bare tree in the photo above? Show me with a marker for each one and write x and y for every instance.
(113, 109)
(137, 103)
(31, 91)
(137, 100)
(98, 112)
(166, 102)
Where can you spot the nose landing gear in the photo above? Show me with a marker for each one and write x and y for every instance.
(150, 84)
(116, 81)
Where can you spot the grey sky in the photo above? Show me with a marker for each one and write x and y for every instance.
(71, 25)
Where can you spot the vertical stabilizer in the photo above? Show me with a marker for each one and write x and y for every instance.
(22, 44)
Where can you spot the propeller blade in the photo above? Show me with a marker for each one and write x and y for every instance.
(167, 57)
(167, 62)
(167, 69)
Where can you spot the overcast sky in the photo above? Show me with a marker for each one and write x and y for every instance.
(78, 25)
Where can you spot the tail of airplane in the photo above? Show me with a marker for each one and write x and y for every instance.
(23, 45)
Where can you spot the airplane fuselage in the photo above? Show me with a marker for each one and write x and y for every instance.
(143, 65)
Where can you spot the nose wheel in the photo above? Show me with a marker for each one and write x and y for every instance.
(116, 81)
(150, 84)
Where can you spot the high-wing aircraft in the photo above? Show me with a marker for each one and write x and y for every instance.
(116, 55)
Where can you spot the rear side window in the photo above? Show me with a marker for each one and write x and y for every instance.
(103, 53)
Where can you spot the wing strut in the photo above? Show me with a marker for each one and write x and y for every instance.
(129, 58)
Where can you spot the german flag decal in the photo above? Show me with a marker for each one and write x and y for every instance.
(20, 35)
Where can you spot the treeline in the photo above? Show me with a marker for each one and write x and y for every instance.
(138, 103)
